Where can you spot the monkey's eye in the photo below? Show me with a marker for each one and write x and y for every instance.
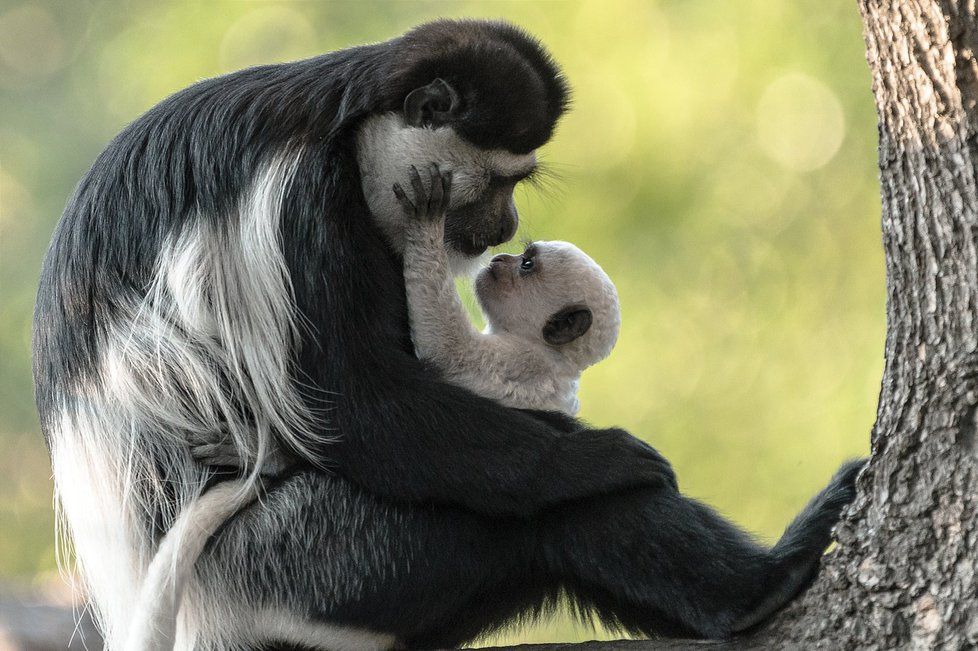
(526, 264)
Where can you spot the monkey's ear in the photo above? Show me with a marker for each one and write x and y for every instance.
(432, 105)
(567, 325)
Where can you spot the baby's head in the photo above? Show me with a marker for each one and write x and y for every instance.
(553, 294)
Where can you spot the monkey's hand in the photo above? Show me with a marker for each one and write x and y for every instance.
(588, 458)
(224, 453)
(429, 206)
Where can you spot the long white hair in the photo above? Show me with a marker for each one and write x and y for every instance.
(205, 353)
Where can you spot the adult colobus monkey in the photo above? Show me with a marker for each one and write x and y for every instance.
(230, 268)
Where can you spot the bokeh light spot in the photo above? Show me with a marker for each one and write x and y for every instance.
(800, 123)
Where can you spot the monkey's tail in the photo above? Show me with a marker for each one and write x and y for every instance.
(154, 622)
(799, 551)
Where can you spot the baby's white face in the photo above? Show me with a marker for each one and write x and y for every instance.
(549, 287)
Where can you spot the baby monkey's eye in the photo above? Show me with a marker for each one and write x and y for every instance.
(526, 264)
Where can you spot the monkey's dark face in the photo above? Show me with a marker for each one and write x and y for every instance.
(552, 293)
(482, 212)
(489, 220)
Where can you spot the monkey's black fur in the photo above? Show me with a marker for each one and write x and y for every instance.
(450, 514)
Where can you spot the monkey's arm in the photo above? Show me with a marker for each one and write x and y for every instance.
(440, 328)
(415, 439)
(406, 436)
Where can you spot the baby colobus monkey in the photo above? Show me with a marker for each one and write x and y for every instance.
(551, 312)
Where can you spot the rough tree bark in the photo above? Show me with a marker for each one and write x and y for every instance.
(903, 573)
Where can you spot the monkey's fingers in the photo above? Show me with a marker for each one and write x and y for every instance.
(402, 197)
(419, 192)
(217, 454)
(436, 207)
(446, 189)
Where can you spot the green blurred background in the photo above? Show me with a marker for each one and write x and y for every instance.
(719, 162)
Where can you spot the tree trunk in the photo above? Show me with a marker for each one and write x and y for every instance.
(903, 573)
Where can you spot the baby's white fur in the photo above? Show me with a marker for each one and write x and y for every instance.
(509, 362)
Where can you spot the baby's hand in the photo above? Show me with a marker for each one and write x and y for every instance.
(428, 206)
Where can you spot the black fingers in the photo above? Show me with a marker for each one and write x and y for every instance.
(418, 186)
(437, 190)
(403, 199)
(441, 191)
(648, 462)
(446, 189)
(617, 462)
(217, 454)
(429, 204)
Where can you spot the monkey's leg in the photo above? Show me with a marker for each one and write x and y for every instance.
(657, 562)
(652, 560)
(321, 550)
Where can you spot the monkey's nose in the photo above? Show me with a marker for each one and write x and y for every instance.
(501, 259)
(506, 231)
(502, 266)
(508, 222)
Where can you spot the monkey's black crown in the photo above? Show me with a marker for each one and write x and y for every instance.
(512, 92)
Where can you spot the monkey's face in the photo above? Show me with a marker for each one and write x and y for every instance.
(552, 293)
(482, 212)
